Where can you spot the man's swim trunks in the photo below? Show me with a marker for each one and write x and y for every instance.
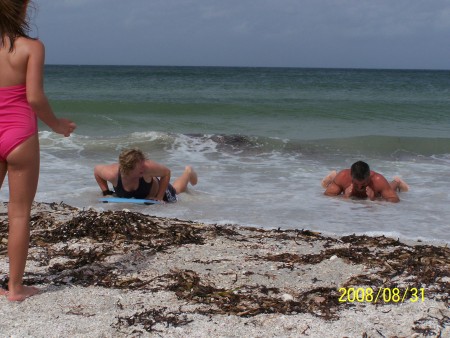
(17, 120)
(143, 190)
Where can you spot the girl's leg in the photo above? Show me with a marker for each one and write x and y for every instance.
(189, 176)
(3, 169)
(23, 175)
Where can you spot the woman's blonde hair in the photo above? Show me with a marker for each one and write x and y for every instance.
(128, 159)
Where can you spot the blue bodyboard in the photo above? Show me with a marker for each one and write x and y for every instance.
(127, 200)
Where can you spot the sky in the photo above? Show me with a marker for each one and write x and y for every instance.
(393, 34)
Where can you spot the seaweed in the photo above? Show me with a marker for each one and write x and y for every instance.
(149, 318)
(422, 325)
(418, 266)
(86, 248)
(247, 301)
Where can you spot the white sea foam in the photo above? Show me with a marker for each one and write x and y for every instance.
(276, 190)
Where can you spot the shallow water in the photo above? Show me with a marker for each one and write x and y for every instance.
(261, 140)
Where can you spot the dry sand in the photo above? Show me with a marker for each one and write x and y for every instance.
(123, 274)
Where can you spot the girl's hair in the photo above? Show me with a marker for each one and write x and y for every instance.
(129, 158)
(13, 21)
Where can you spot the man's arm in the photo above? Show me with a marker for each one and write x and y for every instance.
(385, 189)
(333, 189)
(337, 186)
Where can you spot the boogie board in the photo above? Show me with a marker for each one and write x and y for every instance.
(127, 200)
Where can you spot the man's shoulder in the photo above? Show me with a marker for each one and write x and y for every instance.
(379, 181)
(345, 173)
(377, 176)
(343, 178)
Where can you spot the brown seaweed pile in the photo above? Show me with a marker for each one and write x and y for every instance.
(422, 266)
(247, 301)
(148, 319)
(83, 248)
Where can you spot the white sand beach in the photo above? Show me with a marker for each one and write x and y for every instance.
(124, 274)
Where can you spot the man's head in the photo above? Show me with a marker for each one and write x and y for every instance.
(129, 160)
(360, 173)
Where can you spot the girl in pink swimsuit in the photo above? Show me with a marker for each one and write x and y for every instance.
(17, 121)
(22, 100)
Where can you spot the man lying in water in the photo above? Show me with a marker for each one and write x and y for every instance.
(361, 182)
(135, 176)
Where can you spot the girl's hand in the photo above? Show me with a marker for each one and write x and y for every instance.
(65, 127)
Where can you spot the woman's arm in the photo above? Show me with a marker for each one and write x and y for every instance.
(104, 174)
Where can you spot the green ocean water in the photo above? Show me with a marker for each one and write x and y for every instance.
(261, 140)
(276, 102)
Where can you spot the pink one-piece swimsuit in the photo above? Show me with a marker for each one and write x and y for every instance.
(17, 120)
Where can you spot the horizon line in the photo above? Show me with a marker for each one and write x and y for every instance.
(219, 66)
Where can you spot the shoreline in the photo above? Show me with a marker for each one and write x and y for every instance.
(119, 273)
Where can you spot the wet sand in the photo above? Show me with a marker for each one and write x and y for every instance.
(124, 274)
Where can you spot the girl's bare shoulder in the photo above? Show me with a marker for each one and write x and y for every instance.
(28, 45)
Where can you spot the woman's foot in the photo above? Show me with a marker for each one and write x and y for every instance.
(328, 179)
(192, 175)
(22, 293)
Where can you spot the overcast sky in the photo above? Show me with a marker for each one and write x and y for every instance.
(280, 33)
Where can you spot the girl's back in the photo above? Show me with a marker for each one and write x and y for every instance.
(14, 64)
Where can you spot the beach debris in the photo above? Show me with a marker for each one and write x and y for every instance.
(114, 249)
(433, 325)
(250, 300)
(79, 311)
(149, 318)
(232, 143)
(286, 297)
(421, 265)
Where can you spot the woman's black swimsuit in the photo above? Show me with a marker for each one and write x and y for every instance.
(143, 190)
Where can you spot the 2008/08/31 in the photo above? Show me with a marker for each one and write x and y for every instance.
(386, 295)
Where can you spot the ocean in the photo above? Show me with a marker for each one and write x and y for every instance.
(261, 140)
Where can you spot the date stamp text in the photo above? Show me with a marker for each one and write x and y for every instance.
(382, 295)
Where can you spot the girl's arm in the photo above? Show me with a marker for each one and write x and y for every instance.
(35, 90)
